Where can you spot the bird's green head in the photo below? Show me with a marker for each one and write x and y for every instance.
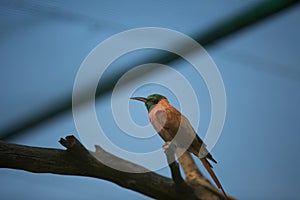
(150, 101)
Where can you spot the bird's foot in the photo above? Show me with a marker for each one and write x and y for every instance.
(166, 145)
(169, 146)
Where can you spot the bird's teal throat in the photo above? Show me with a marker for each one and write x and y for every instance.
(150, 105)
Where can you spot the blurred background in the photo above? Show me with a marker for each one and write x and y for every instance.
(43, 44)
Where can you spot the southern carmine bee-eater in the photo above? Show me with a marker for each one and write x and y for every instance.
(168, 122)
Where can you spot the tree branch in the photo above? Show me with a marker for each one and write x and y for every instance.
(77, 160)
(196, 180)
(181, 185)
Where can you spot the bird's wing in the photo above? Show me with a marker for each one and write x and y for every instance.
(198, 148)
(172, 126)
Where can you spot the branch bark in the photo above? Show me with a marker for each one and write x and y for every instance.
(196, 180)
(180, 184)
(77, 160)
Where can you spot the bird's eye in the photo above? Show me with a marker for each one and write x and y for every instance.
(154, 101)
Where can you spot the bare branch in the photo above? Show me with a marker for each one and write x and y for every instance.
(196, 180)
(181, 185)
(77, 160)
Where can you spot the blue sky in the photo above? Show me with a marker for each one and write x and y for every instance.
(44, 43)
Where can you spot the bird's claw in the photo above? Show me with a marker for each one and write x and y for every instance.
(169, 146)
(166, 145)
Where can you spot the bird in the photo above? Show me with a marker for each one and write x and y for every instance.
(172, 126)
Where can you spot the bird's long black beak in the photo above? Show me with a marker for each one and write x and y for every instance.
(139, 99)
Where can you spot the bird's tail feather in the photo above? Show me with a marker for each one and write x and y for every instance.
(208, 167)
